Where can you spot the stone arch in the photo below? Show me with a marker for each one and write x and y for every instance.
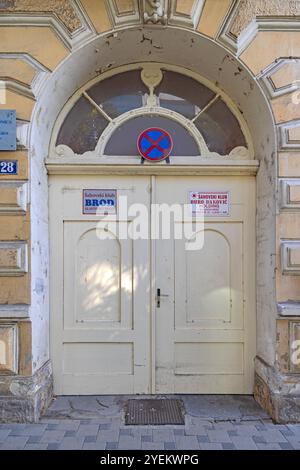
(181, 47)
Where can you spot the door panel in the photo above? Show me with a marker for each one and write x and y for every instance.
(205, 326)
(100, 292)
(206, 296)
(98, 284)
(209, 291)
(208, 358)
(97, 275)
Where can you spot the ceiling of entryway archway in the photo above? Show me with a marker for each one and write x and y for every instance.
(164, 45)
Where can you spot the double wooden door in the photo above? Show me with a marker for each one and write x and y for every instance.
(147, 314)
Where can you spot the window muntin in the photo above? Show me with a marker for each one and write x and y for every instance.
(82, 127)
(220, 128)
(120, 93)
(183, 94)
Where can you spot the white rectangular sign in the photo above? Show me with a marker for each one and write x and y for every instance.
(210, 203)
(99, 201)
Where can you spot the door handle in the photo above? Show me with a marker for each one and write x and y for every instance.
(158, 297)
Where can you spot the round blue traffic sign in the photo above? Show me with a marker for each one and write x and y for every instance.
(155, 144)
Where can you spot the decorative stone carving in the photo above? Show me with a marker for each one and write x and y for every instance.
(240, 153)
(151, 77)
(64, 151)
(155, 11)
(248, 10)
(63, 9)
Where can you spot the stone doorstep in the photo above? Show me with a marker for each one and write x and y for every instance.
(14, 408)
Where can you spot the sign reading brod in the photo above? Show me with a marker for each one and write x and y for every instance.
(99, 201)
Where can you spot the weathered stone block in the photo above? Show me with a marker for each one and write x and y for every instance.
(290, 194)
(13, 197)
(24, 399)
(290, 133)
(290, 257)
(277, 393)
(13, 258)
(295, 347)
(8, 349)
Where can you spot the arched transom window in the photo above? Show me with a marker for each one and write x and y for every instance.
(108, 117)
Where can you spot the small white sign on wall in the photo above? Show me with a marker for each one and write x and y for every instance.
(210, 203)
(99, 201)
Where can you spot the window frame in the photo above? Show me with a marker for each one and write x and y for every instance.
(63, 151)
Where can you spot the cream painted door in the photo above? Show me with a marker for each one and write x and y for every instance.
(205, 325)
(100, 292)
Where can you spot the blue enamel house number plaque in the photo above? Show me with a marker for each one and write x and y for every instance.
(8, 167)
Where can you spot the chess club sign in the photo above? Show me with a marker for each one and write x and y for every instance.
(99, 201)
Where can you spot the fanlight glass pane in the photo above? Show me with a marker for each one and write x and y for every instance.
(220, 129)
(82, 127)
(120, 93)
(123, 141)
(125, 92)
(183, 94)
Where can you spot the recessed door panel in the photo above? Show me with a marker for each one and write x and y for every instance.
(209, 281)
(98, 286)
(208, 288)
(98, 278)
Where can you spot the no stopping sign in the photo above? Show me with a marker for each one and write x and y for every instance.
(155, 144)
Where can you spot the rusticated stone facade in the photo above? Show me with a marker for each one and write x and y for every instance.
(249, 10)
(63, 9)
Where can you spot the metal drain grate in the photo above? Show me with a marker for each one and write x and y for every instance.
(154, 411)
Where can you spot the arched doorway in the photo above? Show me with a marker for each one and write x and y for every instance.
(151, 313)
(211, 62)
